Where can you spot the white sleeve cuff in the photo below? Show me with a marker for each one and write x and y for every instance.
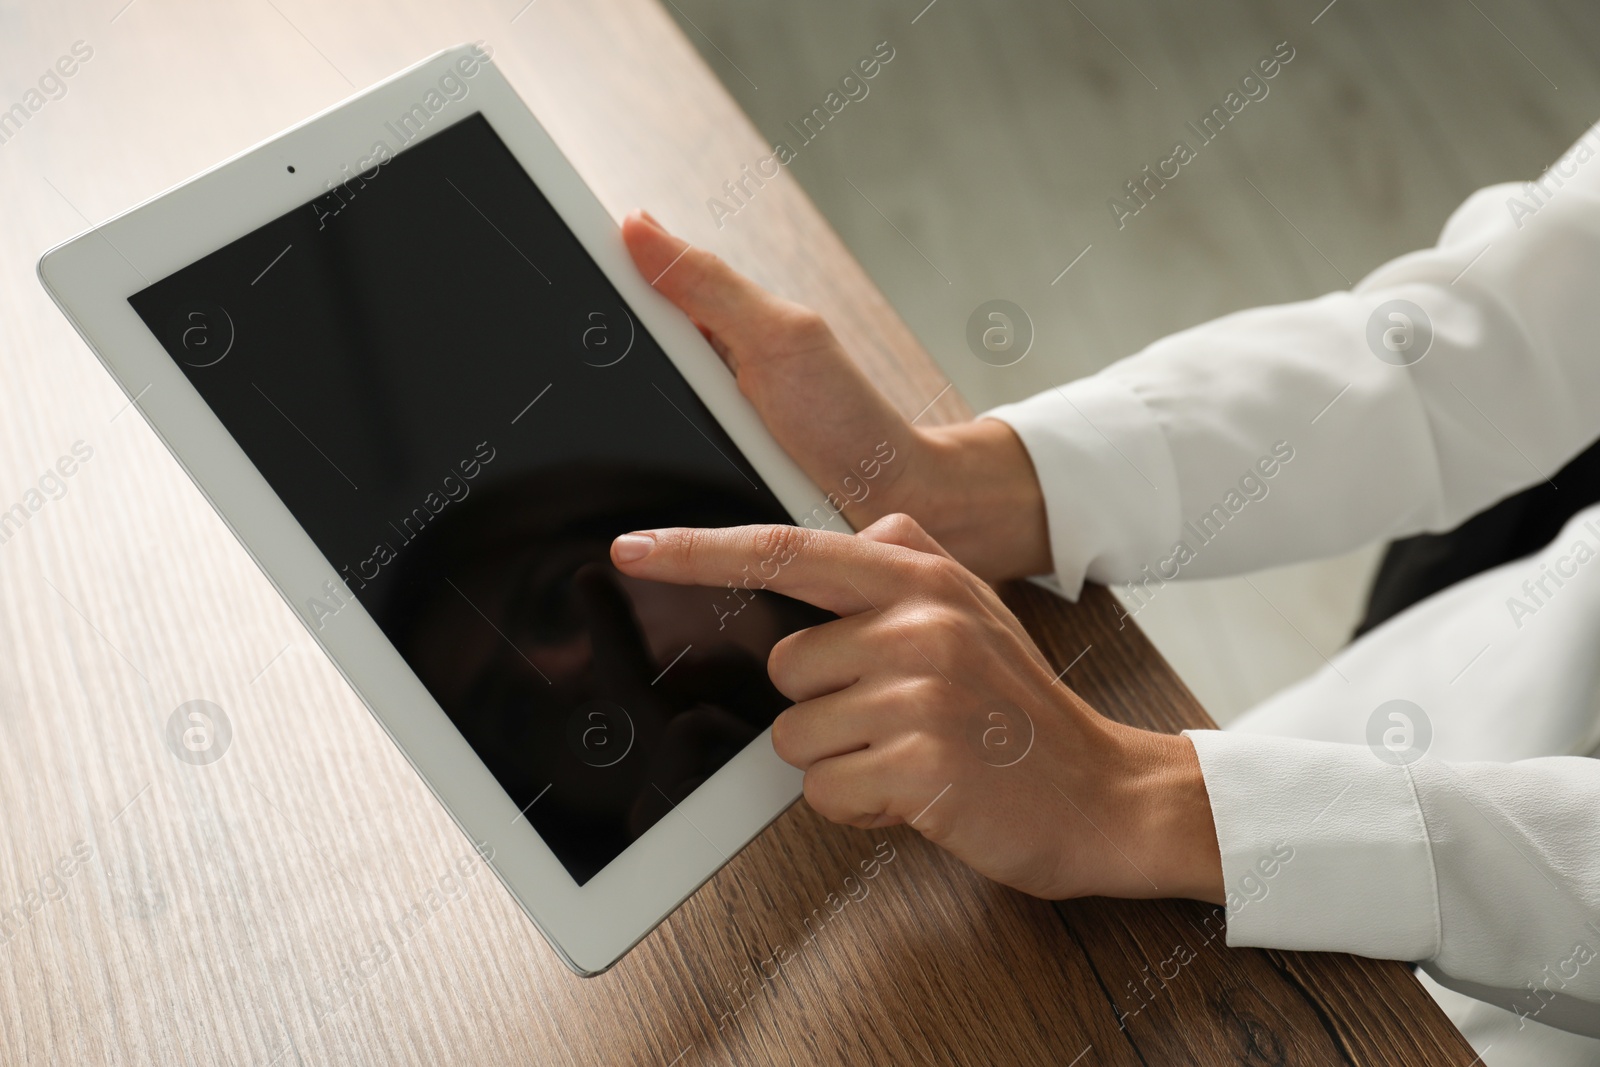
(1109, 483)
(1324, 847)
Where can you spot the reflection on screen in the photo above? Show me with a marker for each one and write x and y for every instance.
(457, 406)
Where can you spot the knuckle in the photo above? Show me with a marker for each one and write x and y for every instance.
(944, 631)
(931, 693)
(822, 793)
(924, 692)
(926, 754)
(783, 736)
(941, 576)
(784, 660)
(692, 279)
(689, 544)
(947, 573)
(780, 542)
(929, 700)
(707, 270)
(900, 528)
(806, 330)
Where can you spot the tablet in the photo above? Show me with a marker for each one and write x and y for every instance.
(403, 351)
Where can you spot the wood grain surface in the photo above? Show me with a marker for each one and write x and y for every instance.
(250, 911)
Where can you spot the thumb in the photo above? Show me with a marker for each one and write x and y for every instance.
(710, 292)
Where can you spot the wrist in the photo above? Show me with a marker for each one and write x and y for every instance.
(977, 494)
(1174, 834)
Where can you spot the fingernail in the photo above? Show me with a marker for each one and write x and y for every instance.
(631, 547)
(651, 219)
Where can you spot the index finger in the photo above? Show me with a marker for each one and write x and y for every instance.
(837, 572)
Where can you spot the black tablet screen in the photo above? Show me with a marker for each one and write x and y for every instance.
(454, 402)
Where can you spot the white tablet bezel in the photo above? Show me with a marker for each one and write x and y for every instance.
(90, 278)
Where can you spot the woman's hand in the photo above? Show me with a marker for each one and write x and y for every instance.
(824, 412)
(926, 703)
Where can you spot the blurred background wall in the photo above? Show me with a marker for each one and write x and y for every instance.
(980, 163)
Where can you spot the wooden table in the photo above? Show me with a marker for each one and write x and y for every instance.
(215, 914)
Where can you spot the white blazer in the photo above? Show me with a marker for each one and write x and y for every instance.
(1443, 382)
